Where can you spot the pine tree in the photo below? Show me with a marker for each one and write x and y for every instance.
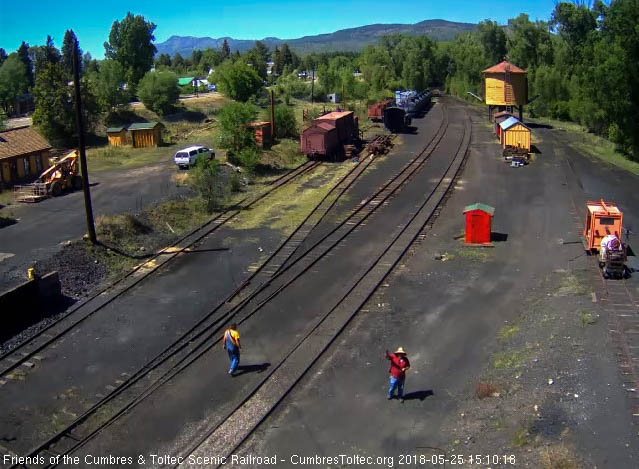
(23, 53)
(3, 55)
(68, 44)
(226, 50)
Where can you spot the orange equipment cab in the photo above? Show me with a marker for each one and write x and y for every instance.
(602, 219)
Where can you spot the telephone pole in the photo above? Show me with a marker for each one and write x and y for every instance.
(83, 157)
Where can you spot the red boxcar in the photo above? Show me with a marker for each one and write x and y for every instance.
(321, 139)
(478, 223)
(344, 121)
(376, 111)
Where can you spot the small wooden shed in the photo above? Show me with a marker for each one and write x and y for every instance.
(499, 118)
(262, 132)
(146, 134)
(514, 133)
(478, 223)
(117, 136)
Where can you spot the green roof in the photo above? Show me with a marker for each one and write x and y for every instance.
(478, 206)
(185, 81)
(144, 125)
(115, 129)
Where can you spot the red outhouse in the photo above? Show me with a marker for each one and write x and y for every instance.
(478, 221)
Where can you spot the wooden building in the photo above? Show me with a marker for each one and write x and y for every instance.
(24, 154)
(117, 136)
(499, 118)
(146, 134)
(506, 88)
(478, 223)
(514, 133)
(262, 133)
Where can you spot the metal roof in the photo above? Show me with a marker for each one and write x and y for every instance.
(144, 125)
(116, 129)
(508, 123)
(21, 141)
(608, 208)
(503, 67)
(479, 206)
(185, 80)
(334, 115)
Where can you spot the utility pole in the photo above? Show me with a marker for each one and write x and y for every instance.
(83, 157)
(312, 84)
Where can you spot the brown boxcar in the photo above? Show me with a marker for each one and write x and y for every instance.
(376, 110)
(321, 139)
(262, 132)
(345, 123)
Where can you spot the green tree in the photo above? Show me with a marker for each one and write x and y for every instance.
(13, 81)
(163, 60)
(210, 182)
(131, 44)
(285, 122)
(177, 62)
(69, 43)
(55, 109)
(159, 91)
(235, 135)
(237, 80)
(196, 57)
(108, 85)
(89, 64)
(226, 50)
(493, 38)
(529, 44)
(3, 55)
(23, 53)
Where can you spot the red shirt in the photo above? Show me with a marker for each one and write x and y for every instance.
(398, 365)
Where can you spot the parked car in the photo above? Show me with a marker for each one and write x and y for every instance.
(187, 157)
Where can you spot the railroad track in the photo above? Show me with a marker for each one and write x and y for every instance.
(28, 351)
(226, 437)
(265, 271)
(86, 426)
(621, 305)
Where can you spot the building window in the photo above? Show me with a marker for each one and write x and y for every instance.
(38, 160)
(27, 166)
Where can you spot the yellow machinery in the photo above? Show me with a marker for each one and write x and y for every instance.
(61, 176)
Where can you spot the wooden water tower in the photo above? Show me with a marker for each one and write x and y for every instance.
(506, 87)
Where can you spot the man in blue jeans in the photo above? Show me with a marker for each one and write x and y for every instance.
(398, 365)
(231, 342)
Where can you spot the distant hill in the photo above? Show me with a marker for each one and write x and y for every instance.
(352, 39)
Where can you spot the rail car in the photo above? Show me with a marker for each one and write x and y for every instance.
(408, 104)
(330, 135)
(376, 110)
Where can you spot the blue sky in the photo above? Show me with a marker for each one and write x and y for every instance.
(32, 20)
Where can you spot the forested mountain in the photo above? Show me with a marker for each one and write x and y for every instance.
(351, 39)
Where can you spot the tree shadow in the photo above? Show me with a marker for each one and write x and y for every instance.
(7, 221)
(257, 368)
(418, 395)
(498, 237)
(533, 125)
(188, 115)
(534, 149)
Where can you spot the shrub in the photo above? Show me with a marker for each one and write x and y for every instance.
(210, 182)
(234, 133)
(159, 91)
(285, 122)
(237, 80)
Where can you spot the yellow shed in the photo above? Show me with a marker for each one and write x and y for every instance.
(506, 86)
(146, 134)
(515, 133)
(117, 136)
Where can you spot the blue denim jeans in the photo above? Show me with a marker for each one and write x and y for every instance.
(234, 357)
(396, 383)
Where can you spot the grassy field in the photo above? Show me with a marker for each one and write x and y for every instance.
(591, 144)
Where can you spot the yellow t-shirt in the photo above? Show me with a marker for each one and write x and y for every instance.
(234, 335)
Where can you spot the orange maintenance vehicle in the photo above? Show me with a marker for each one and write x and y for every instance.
(61, 176)
(602, 219)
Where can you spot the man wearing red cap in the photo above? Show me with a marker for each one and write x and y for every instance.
(398, 365)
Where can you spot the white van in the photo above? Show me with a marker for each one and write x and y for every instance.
(187, 157)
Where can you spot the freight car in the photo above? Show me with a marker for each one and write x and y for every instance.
(376, 110)
(408, 104)
(396, 119)
(329, 134)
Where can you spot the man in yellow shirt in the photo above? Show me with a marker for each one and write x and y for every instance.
(231, 342)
